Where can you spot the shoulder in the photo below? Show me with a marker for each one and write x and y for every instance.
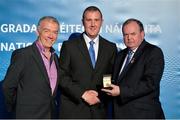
(107, 43)
(69, 45)
(151, 51)
(20, 55)
(122, 52)
(152, 48)
(73, 41)
(69, 42)
(22, 51)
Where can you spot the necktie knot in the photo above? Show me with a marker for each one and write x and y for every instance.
(91, 42)
(130, 52)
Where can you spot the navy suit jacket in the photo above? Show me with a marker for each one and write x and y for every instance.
(139, 83)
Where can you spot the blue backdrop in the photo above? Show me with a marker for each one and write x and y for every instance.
(161, 18)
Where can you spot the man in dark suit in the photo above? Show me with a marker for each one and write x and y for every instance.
(81, 74)
(136, 93)
(31, 79)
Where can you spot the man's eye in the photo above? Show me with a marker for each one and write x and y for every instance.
(55, 33)
(45, 30)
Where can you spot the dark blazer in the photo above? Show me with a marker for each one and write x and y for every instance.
(26, 85)
(77, 75)
(139, 83)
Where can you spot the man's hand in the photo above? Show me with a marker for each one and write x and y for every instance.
(115, 91)
(91, 97)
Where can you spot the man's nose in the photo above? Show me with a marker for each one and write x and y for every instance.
(92, 23)
(50, 35)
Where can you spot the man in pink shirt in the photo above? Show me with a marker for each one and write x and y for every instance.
(31, 79)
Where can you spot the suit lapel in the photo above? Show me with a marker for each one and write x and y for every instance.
(120, 63)
(57, 67)
(134, 59)
(37, 57)
(101, 53)
(84, 50)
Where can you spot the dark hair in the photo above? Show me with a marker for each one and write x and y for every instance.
(91, 8)
(49, 18)
(133, 20)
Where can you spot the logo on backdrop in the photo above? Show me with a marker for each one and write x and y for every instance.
(64, 29)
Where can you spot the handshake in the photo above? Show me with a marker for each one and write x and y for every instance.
(91, 96)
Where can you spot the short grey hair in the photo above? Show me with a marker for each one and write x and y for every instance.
(49, 18)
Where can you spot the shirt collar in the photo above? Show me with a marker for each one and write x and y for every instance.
(41, 47)
(135, 50)
(87, 39)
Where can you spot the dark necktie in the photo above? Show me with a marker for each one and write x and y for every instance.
(92, 53)
(130, 52)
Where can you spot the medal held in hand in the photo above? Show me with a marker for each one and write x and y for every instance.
(107, 81)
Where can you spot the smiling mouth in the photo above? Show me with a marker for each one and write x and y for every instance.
(49, 39)
(92, 29)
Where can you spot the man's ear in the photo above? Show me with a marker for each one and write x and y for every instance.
(142, 34)
(102, 22)
(37, 31)
(82, 21)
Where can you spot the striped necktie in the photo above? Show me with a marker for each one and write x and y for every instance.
(130, 53)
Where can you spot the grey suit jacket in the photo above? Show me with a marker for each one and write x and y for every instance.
(26, 85)
(77, 75)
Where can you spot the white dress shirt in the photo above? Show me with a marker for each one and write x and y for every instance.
(96, 44)
(126, 60)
